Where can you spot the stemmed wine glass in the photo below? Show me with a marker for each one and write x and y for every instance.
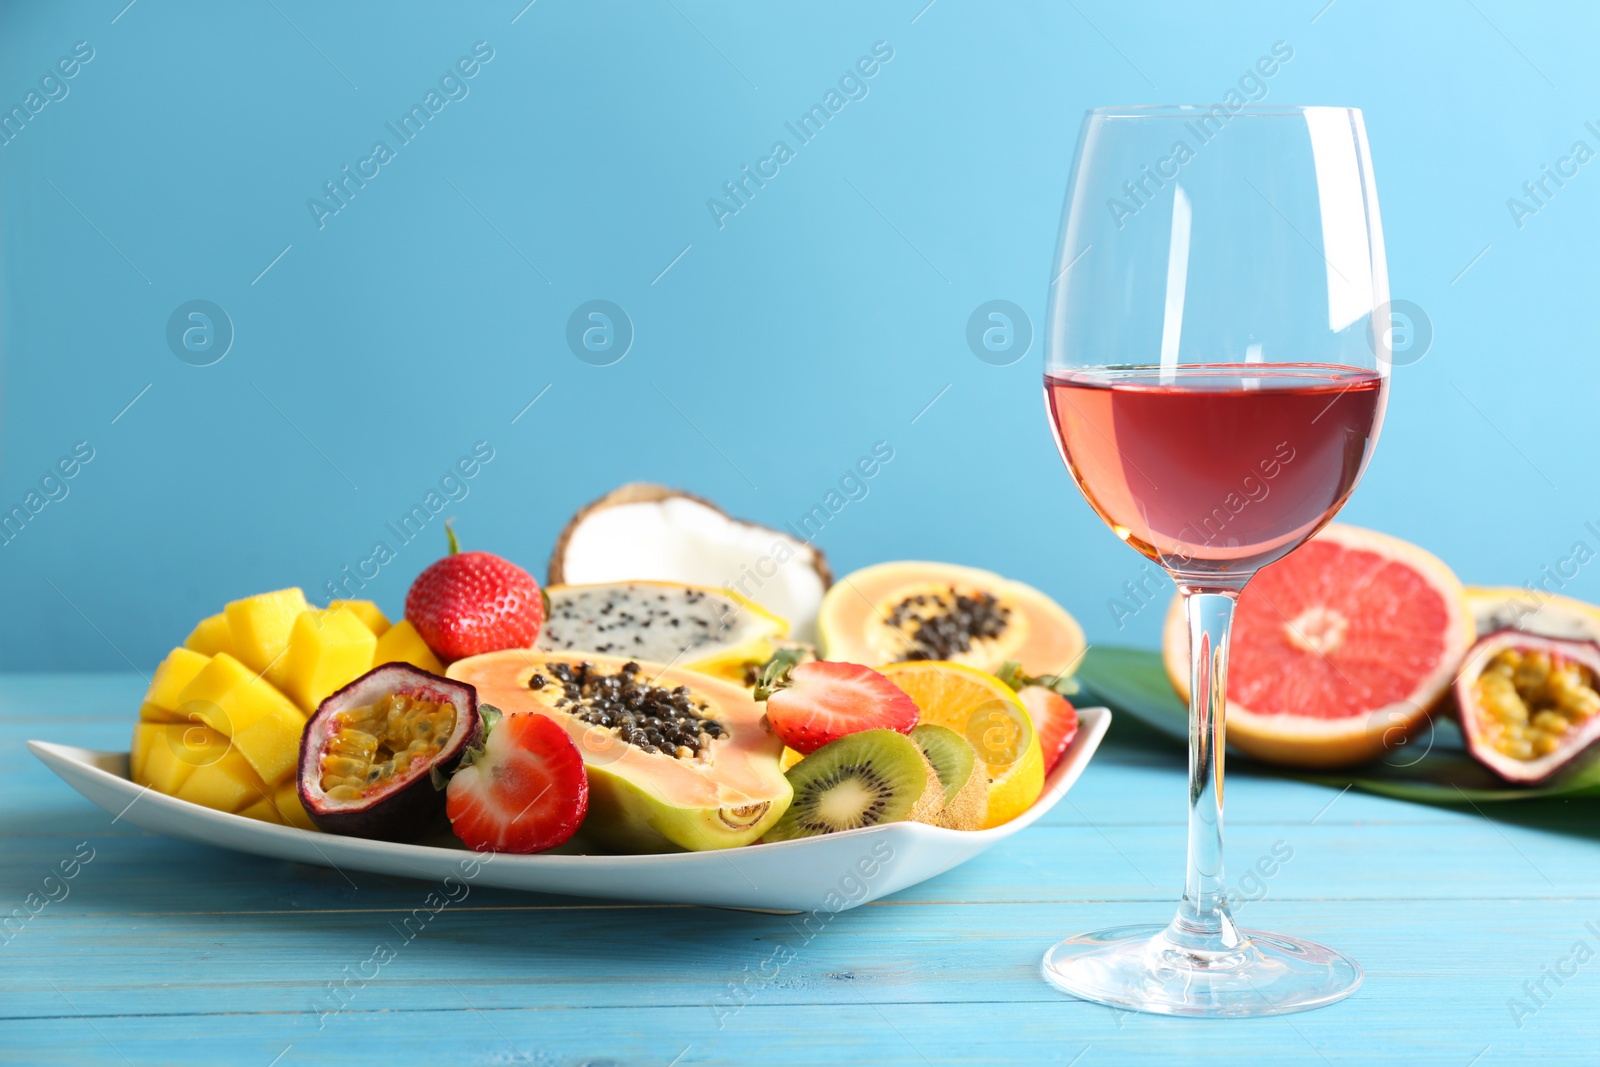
(1218, 365)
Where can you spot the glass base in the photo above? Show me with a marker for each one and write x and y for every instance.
(1141, 968)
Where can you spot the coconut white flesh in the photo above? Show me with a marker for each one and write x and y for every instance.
(661, 624)
(682, 540)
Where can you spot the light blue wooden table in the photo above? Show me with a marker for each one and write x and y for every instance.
(160, 952)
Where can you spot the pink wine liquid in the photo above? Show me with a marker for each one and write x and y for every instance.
(1216, 469)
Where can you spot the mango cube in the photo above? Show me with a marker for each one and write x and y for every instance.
(174, 753)
(149, 712)
(271, 744)
(287, 800)
(173, 676)
(402, 644)
(228, 784)
(327, 649)
(259, 628)
(210, 636)
(230, 697)
(265, 810)
(144, 734)
(366, 611)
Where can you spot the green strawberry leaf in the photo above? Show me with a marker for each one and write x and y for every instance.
(775, 672)
(1013, 675)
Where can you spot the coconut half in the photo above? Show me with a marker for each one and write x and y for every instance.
(642, 531)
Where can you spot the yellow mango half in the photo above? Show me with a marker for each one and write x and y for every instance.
(210, 636)
(402, 644)
(259, 627)
(327, 649)
(366, 611)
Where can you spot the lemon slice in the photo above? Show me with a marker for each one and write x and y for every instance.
(985, 711)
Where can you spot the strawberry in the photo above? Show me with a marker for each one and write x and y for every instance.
(812, 704)
(525, 790)
(472, 602)
(1053, 714)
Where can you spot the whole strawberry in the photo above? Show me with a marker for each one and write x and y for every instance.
(474, 602)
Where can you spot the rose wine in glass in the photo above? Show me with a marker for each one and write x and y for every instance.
(1218, 367)
(1253, 460)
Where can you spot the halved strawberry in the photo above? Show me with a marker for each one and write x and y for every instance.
(1053, 714)
(812, 704)
(1055, 719)
(525, 790)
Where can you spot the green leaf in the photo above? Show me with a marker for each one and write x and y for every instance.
(1433, 767)
(1013, 675)
(775, 672)
(490, 717)
(1134, 683)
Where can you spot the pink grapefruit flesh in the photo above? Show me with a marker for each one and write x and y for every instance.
(1338, 650)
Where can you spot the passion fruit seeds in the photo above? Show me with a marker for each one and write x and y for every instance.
(370, 754)
(649, 717)
(1534, 698)
(372, 743)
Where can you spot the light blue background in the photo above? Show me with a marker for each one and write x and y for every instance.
(824, 316)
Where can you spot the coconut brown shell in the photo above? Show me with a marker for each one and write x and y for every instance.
(651, 493)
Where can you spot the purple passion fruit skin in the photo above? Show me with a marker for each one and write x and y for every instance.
(370, 752)
(1530, 705)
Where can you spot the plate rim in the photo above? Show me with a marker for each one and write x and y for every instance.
(1094, 722)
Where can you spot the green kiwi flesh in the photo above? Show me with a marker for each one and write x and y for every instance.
(964, 785)
(862, 779)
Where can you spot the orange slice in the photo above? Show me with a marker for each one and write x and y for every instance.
(1338, 650)
(984, 710)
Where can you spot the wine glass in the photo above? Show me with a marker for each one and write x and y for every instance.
(1218, 365)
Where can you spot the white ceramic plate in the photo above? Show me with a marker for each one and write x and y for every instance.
(826, 874)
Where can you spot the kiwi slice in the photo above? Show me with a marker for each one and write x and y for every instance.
(862, 779)
(965, 785)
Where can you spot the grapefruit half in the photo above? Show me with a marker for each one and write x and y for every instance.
(1338, 650)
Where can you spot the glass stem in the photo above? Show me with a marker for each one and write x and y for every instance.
(1203, 921)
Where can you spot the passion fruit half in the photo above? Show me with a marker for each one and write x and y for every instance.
(1530, 705)
(369, 754)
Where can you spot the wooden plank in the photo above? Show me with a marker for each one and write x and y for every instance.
(164, 952)
(964, 988)
(687, 957)
(1065, 863)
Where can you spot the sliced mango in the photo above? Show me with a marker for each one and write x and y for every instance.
(327, 649)
(271, 744)
(265, 810)
(402, 644)
(210, 636)
(144, 735)
(287, 800)
(366, 611)
(152, 713)
(228, 784)
(173, 676)
(175, 752)
(230, 697)
(259, 628)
